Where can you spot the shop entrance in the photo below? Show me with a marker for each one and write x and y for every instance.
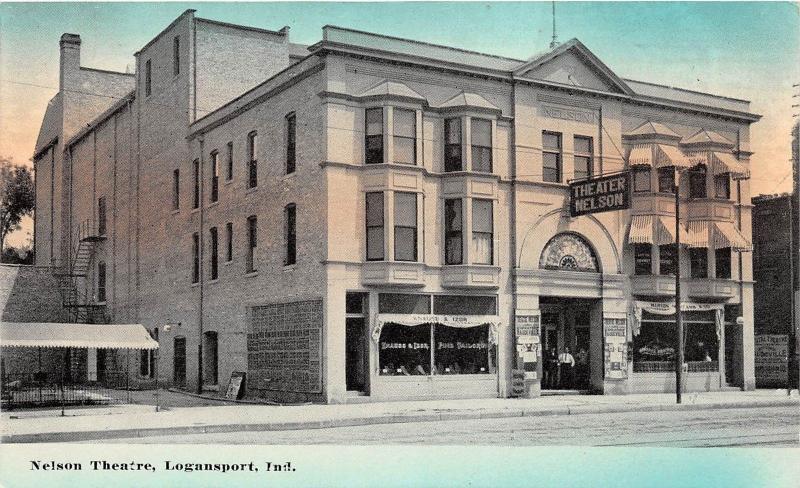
(566, 327)
(356, 353)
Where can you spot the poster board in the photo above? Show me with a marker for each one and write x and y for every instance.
(771, 357)
(615, 355)
(235, 389)
(529, 351)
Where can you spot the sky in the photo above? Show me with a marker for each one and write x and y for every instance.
(747, 50)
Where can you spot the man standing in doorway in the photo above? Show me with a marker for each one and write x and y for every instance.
(551, 369)
(566, 363)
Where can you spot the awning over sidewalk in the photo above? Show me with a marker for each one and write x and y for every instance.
(99, 336)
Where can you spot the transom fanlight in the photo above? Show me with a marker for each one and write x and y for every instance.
(568, 252)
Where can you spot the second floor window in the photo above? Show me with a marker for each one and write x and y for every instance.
(214, 194)
(101, 281)
(229, 242)
(252, 242)
(643, 258)
(405, 226)
(698, 258)
(196, 183)
(195, 257)
(453, 232)
(582, 157)
(482, 232)
(722, 260)
(291, 136)
(176, 56)
(374, 202)
(481, 142)
(176, 189)
(452, 145)
(668, 262)
(551, 157)
(252, 161)
(666, 180)
(722, 186)
(697, 182)
(405, 136)
(373, 142)
(290, 213)
(641, 179)
(214, 236)
(101, 216)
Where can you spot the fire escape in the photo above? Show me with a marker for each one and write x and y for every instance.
(72, 278)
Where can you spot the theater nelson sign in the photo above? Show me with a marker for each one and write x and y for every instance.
(601, 194)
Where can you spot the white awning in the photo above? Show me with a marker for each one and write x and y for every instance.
(727, 235)
(672, 156)
(665, 230)
(722, 163)
(697, 234)
(95, 336)
(641, 155)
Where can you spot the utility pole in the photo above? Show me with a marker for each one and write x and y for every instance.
(678, 319)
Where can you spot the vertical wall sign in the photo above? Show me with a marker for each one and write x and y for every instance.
(616, 347)
(528, 344)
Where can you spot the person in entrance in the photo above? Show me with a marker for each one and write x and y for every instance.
(566, 365)
(551, 369)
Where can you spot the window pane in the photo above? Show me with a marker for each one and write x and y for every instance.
(481, 132)
(405, 209)
(354, 302)
(582, 168)
(481, 248)
(405, 123)
(722, 186)
(405, 244)
(375, 243)
(405, 150)
(454, 253)
(697, 182)
(452, 131)
(723, 262)
(374, 149)
(482, 159)
(374, 118)
(404, 350)
(453, 224)
(375, 208)
(666, 180)
(551, 167)
(551, 140)
(583, 145)
(641, 179)
(643, 258)
(482, 216)
(461, 351)
(464, 304)
(403, 303)
(452, 214)
(698, 258)
(667, 259)
(452, 157)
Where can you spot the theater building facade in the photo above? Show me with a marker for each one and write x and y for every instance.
(384, 219)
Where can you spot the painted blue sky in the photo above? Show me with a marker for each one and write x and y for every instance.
(745, 50)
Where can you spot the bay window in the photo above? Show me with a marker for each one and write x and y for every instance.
(698, 258)
(643, 259)
(666, 179)
(373, 142)
(668, 262)
(697, 182)
(722, 260)
(641, 179)
(452, 145)
(481, 141)
(722, 186)
(453, 231)
(374, 202)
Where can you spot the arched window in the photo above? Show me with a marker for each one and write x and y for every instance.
(568, 252)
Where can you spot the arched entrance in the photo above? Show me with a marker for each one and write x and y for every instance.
(566, 320)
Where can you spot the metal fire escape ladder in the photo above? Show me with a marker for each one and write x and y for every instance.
(80, 307)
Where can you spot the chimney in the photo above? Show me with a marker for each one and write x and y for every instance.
(70, 61)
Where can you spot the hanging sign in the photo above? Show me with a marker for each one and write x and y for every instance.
(601, 194)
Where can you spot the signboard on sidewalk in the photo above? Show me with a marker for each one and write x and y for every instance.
(235, 390)
(600, 194)
(772, 353)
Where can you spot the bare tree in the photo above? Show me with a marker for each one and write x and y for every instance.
(17, 197)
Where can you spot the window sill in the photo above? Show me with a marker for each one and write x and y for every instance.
(213, 204)
(215, 280)
(251, 274)
(195, 284)
(289, 267)
(227, 182)
(289, 176)
(251, 190)
(227, 263)
(175, 211)
(195, 210)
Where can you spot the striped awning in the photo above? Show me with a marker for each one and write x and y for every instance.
(727, 235)
(641, 231)
(641, 155)
(671, 156)
(717, 235)
(722, 163)
(93, 336)
(665, 230)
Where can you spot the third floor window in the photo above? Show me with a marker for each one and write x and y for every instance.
(252, 161)
(582, 157)
(452, 145)
(373, 142)
(551, 157)
(214, 194)
(481, 141)
(405, 136)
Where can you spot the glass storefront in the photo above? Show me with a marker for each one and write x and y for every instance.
(655, 347)
(425, 346)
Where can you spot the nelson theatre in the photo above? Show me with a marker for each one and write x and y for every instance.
(375, 218)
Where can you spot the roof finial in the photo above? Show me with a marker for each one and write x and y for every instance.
(554, 42)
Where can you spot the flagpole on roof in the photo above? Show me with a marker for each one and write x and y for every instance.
(554, 42)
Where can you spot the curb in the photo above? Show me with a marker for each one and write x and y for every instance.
(391, 419)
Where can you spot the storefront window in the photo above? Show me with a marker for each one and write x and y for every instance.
(461, 351)
(404, 350)
(464, 305)
(403, 303)
(654, 349)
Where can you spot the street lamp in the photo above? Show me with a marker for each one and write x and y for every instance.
(678, 318)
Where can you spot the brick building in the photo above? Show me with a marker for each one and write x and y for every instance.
(371, 216)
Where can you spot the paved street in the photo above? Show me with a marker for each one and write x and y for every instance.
(768, 427)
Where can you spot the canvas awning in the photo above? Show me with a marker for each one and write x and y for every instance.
(717, 235)
(652, 229)
(665, 230)
(722, 163)
(660, 156)
(95, 336)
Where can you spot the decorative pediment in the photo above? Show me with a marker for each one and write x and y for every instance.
(391, 89)
(707, 138)
(652, 129)
(573, 64)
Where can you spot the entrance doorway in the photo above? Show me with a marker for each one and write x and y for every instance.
(566, 332)
(210, 358)
(179, 362)
(356, 343)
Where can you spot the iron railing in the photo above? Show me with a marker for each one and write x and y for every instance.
(37, 390)
(669, 366)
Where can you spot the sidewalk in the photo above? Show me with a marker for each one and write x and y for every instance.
(135, 422)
